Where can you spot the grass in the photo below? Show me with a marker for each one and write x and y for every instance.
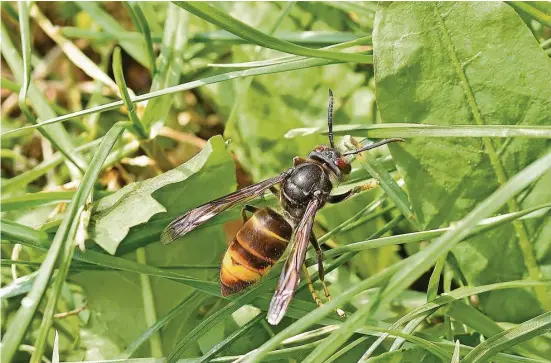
(447, 260)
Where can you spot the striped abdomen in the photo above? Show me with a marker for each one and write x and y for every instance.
(257, 246)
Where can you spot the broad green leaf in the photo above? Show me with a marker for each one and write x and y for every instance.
(208, 175)
(458, 64)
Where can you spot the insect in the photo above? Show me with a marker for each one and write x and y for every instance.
(264, 236)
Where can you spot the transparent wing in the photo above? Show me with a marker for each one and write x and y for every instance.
(290, 275)
(197, 216)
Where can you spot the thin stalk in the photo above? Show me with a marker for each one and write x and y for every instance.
(123, 89)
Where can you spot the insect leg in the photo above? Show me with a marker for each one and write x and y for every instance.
(315, 296)
(344, 196)
(319, 253)
(247, 208)
(311, 286)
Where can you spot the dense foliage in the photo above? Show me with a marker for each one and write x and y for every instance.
(155, 108)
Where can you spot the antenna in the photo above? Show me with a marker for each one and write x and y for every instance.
(374, 145)
(330, 118)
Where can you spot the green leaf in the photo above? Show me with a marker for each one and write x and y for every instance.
(458, 64)
(175, 192)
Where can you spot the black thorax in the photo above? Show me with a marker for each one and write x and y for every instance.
(306, 181)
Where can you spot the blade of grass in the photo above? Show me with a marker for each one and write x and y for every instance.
(434, 281)
(47, 165)
(141, 23)
(29, 237)
(532, 11)
(174, 312)
(123, 89)
(113, 26)
(32, 200)
(18, 327)
(14, 87)
(18, 287)
(170, 63)
(75, 55)
(424, 130)
(347, 348)
(216, 16)
(455, 295)
(456, 353)
(311, 37)
(208, 323)
(221, 36)
(366, 40)
(20, 68)
(522, 332)
(55, 292)
(475, 319)
(319, 313)
(390, 187)
(207, 357)
(150, 313)
(350, 326)
(230, 129)
(499, 358)
(301, 64)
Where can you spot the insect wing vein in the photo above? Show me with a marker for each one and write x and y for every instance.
(197, 216)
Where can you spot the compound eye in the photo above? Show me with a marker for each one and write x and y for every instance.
(320, 148)
(344, 166)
